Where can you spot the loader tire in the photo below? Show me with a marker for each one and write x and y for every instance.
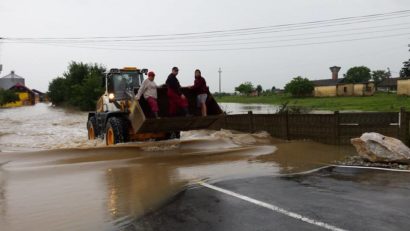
(92, 128)
(116, 131)
(173, 135)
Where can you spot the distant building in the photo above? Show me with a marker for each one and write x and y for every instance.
(11, 80)
(389, 84)
(337, 87)
(26, 96)
(325, 87)
(40, 96)
(403, 86)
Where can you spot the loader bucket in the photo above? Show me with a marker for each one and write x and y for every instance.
(142, 122)
(177, 124)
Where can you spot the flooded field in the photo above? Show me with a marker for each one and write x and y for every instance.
(53, 178)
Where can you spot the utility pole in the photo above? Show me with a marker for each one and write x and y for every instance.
(1, 65)
(388, 80)
(220, 73)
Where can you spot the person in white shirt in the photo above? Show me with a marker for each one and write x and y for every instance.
(148, 89)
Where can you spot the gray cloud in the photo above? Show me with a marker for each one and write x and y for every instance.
(269, 67)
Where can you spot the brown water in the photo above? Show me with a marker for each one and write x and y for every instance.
(68, 183)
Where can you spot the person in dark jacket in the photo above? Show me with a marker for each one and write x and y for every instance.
(176, 100)
(201, 91)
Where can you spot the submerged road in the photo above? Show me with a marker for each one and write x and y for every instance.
(332, 198)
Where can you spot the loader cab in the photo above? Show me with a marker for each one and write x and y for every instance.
(121, 84)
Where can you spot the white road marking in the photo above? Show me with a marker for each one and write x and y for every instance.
(373, 168)
(272, 207)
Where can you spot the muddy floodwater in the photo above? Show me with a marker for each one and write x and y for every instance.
(53, 178)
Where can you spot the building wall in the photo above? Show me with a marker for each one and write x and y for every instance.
(25, 99)
(7, 83)
(403, 87)
(359, 89)
(369, 89)
(345, 89)
(325, 91)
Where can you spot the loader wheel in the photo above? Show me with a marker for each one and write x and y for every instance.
(92, 128)
(174, 135)
(116, 131)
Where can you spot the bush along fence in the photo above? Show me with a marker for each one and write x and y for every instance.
(336, 128)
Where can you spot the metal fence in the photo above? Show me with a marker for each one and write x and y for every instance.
(336, 128)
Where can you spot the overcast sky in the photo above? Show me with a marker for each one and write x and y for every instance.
(273, 66)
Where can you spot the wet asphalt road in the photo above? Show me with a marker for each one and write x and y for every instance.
(350, 199)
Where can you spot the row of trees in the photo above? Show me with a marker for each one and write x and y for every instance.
(8, 96)
(247, 88)
(80, 86)
(364, 74)
(300, 86)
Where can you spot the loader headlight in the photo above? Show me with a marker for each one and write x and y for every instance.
(111, 96)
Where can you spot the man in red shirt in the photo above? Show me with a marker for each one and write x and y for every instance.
(175, 97)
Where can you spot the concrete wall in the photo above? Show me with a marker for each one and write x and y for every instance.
(369, 89)
(403, 87)
(7, 83)
(325, 91)
(359, 89)
(345, 89)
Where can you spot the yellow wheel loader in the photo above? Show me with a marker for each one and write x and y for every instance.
(120, 118)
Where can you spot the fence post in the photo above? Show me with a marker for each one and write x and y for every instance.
(287, 137)
(336, 136)
(404, 126)
(251, 123)
(224, 123)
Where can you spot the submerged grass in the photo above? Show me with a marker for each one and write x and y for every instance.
(383, 102)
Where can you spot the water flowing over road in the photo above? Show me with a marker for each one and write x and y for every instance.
(53, 178)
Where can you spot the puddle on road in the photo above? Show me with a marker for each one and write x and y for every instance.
(88, 186)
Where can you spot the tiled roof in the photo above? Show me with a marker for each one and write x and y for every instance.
(326, 82)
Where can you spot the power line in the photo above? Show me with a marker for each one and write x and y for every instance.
(209, 38)
(243, 31)
(234, 49)
(233, 43)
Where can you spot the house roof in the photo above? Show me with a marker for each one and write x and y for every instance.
(390, 82)
(12, 75)
(38, 92)
(332, 82)
(326, 82)
(20, 87)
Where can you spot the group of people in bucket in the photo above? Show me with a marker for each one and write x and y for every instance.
(176, 99)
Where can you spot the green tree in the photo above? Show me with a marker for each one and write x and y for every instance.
(273, 88)
(57, 90)
(245, 88)
(80, 86)
(259, 89)
(8, 96)
(299, 87)
(379, 76)
(405, 71)
(358, 75)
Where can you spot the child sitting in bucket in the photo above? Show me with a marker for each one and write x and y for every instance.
(149, 90)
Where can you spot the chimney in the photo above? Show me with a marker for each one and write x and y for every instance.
(335, 72)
